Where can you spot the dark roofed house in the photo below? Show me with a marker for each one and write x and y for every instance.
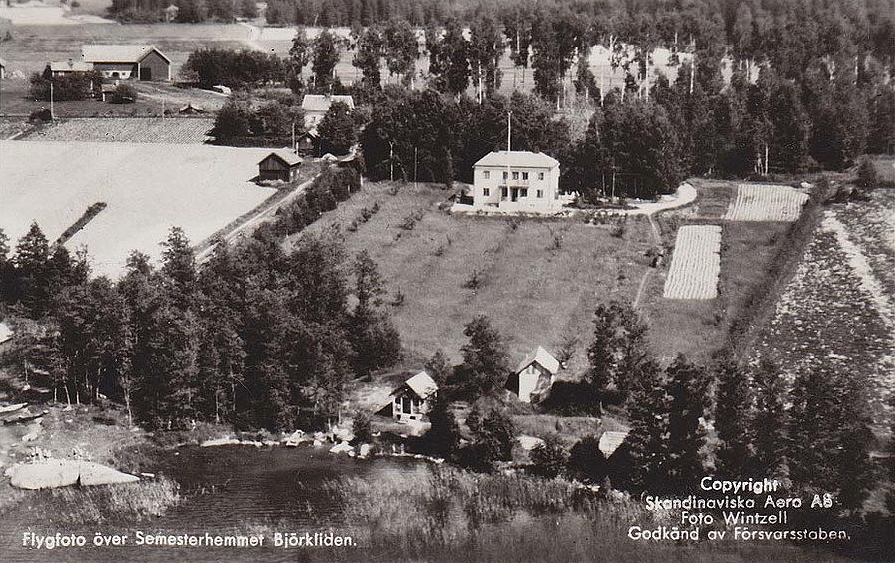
(279, 165)
(143, 62)
(315, 107)
(414, 399)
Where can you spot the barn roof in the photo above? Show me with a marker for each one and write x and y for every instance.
(286, 156)
(610, 441)
(519, 159)
(319, 102)
(118, 53)
(421, 384)
(543, 358)
(71, 66)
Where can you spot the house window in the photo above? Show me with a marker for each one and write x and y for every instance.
(540, 175)
(515, 175)
(487, 174)
(486, 192)
(503, 192)
(525, 175)
(540, 194)
(504, 175)
(523, 192)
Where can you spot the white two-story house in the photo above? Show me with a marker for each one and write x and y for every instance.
(521, 181)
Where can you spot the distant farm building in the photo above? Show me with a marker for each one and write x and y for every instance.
(415, 398)
(534, 376)
(69, 67)
(315, 107)
(279, 165)
(520, 181)
(143, 62)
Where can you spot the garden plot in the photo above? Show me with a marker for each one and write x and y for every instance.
(148, 188)
(696, 263)
(128, 130)
(764, 202)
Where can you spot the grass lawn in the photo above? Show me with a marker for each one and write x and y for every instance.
(534, 292)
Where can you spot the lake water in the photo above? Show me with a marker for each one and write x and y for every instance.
(229, 489)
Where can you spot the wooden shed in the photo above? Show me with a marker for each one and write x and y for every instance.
(534, 376)
(414, 399)
(279, 165)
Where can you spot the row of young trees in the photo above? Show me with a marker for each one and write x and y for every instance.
(256, 337)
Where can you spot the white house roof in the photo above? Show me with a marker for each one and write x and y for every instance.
(286, 155)
(71, 66)
(319, 102)
(117, 53)
(518, 159)
(421, 384)
(610, 441)
(543, 358)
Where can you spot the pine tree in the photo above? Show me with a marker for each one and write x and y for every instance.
(688, 391)
(443, 436)
(438, 368)
(31, 261)
(326, 50)
(485, 364)
(179, 268)
(732, 413)
(367, 57)
(645, 451)
(768, 426)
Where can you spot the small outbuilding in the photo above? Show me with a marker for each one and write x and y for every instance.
(171, 13)
(414, 398)
(308, 144)
(279, 165)
(143, 62)
(2, 67)
(534, 376)
(70, 67)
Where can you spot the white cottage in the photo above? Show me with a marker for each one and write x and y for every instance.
(315, 107)
(521, 181)
(534, 376)
(414, 399)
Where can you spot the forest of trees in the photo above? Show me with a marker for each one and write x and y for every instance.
(255, 337)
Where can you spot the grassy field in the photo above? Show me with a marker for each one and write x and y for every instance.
(33, 46)
(538, 280)
(698, 328)
(149, 187)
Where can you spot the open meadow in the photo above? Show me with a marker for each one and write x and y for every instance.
(538, 280)
(126, 130)
(148, 188)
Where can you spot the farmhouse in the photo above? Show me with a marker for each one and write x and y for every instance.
(69, 67)
(414, 398)
(280, 165)
(315, 107)
(517, 181)
(143, 62)
(171, 12)
(534, 376)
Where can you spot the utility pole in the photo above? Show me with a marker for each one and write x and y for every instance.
(293, 136)
(414, 167)
(391, 161)
(52, 109)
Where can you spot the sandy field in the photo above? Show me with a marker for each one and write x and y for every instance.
(148, 188)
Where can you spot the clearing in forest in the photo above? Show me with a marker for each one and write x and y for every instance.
(696, 263)
(764, 202)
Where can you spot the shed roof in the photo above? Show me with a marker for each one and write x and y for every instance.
(71, 66)
(320, 102)
(518, 159)
(610, 441)
(118, 53)
(287, 156)
(421, 384)
(543, 358)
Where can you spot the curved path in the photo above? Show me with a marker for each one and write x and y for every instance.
(685, 194)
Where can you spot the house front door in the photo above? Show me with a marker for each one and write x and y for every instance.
(514, 194)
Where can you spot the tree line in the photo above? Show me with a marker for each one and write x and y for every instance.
(188, 11)
(256, 337)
